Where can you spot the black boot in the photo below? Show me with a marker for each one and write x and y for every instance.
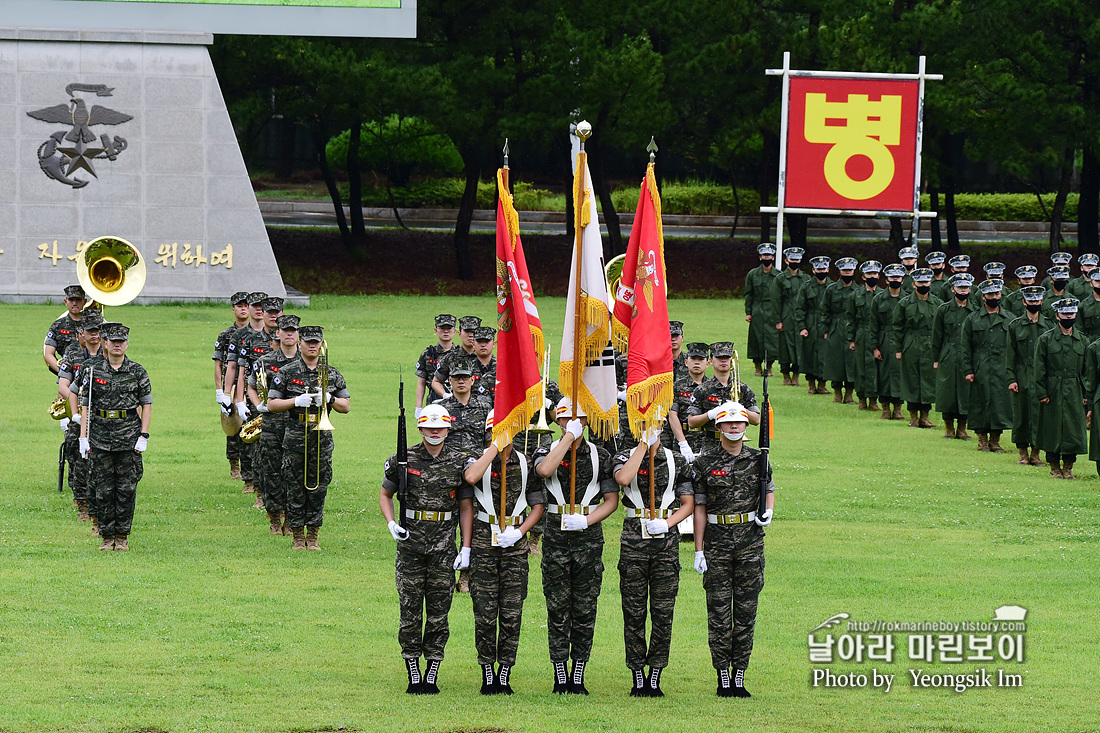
(639, 688)
(739, 683)
(576, 678)
(431, 676)
(488, 680)
(502, 680)
(561, 682)
(655, 683)
(725, 687)
(415, 681)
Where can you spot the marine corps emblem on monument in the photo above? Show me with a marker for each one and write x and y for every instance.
(67, 151)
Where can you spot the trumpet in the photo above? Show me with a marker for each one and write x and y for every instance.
(250, 431)
(323, 423)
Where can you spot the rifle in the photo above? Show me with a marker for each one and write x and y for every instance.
(765, 444)
(402, 453)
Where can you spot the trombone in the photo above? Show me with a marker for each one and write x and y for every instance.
(323, 422)
(735, 379)
(541, 427)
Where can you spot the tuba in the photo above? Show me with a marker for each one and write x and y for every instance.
(613, 271)
(323, 423)
(60, 409)
(250, 431)
(111, 271)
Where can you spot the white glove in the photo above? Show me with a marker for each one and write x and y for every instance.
(463, 560)
(652, 436)
(141, 444)
(399, 533)
(64, 423)
(547, 404)
(84, 448)
(317, 398)
(712, 414)
(262, 408)
(686, 452)
(76, 418)
(621, 396)
(446, 395)
(227, 410)
(574, 522)
(418, 411)
(574, 428)
(509, 537)
(222, 398)
(242, 410)
(303, 400)
(763, 520)
(656, 526)
(700, 562)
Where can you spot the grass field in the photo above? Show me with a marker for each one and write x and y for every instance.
(209, 624)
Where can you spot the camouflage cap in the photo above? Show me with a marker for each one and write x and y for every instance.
(988, 287)
(1061, 258)
(959, 261)
(445, 320)
(311, 333)
(894, 270)
(1090, 259)
(485, 333)
(765, 248)
(794, 254)
(238, 297)
(697, 348)
(288, 322)
(908, 253)
(935, 258)
(961, 280)
(720, 349)
(273, 304)
(91, 318)
(994, 269)
(922, 275)
(114, 331)
(462, 366)
(1033, 292)
(256, 298)
(871, 266)
(1058, 272)
(1065, 306)
(847, 263)
(75, 291)
(676, 328)
(821, 262)
(1026, 271)
(469, 323)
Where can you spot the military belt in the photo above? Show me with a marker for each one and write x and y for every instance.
(564, 508)
(308, 417)
(116, 413)
(731, 518)
(425, 516)
(632, 513)
(508, 521)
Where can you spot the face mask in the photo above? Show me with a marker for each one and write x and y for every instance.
(894, 284)
(1033, 308)
(435, 441)
(821, 276)
(909, 268)
(871, 281)
(938, 270)
(767, 262)
(1068, 321)
(847, 278)
(1059, 284)
(962, 298)
(1096, 290)
(735, 435)
(993, 302)
(794, 266)
(924, 289)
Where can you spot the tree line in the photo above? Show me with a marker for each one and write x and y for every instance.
(1019, 92)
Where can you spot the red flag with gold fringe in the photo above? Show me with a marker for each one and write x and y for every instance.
(640, 318)
(519, 330)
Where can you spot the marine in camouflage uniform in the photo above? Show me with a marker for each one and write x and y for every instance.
(676, 334)
(269, 456)
(254, 347)
(786, 287)
(467, 327)
(485, 365)
(425, 534)
(236, 375)
(649, 560)
(762, 310)
(498, 559)
(233, 445)
(884, 347)
(572, 558)
(68, 384)
(984, 361)
(689, 440)
(912, 333)
(1062, 390)
(529, 441)
(1023, 332)
(807, 322)
(729, 546)
(468, 411)
(860, 336)
(63, 332)
(952, 389)
(115, 434)
(716, 390)
(839, 359)
(429, 359)
(289, 390)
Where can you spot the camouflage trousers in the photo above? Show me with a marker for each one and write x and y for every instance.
(306, 508)
(498, 587)
(733, 581)
(572, 574)
(233, 447)
(268, 460)
(425, 587)
(114, 476)
(648, 581)
(78, 468)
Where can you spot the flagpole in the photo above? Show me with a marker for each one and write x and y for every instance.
(506, 452)
(652, 150)
(584, 131)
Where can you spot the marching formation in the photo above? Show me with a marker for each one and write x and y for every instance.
(986, 357)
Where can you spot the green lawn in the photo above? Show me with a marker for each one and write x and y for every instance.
(209, 624)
